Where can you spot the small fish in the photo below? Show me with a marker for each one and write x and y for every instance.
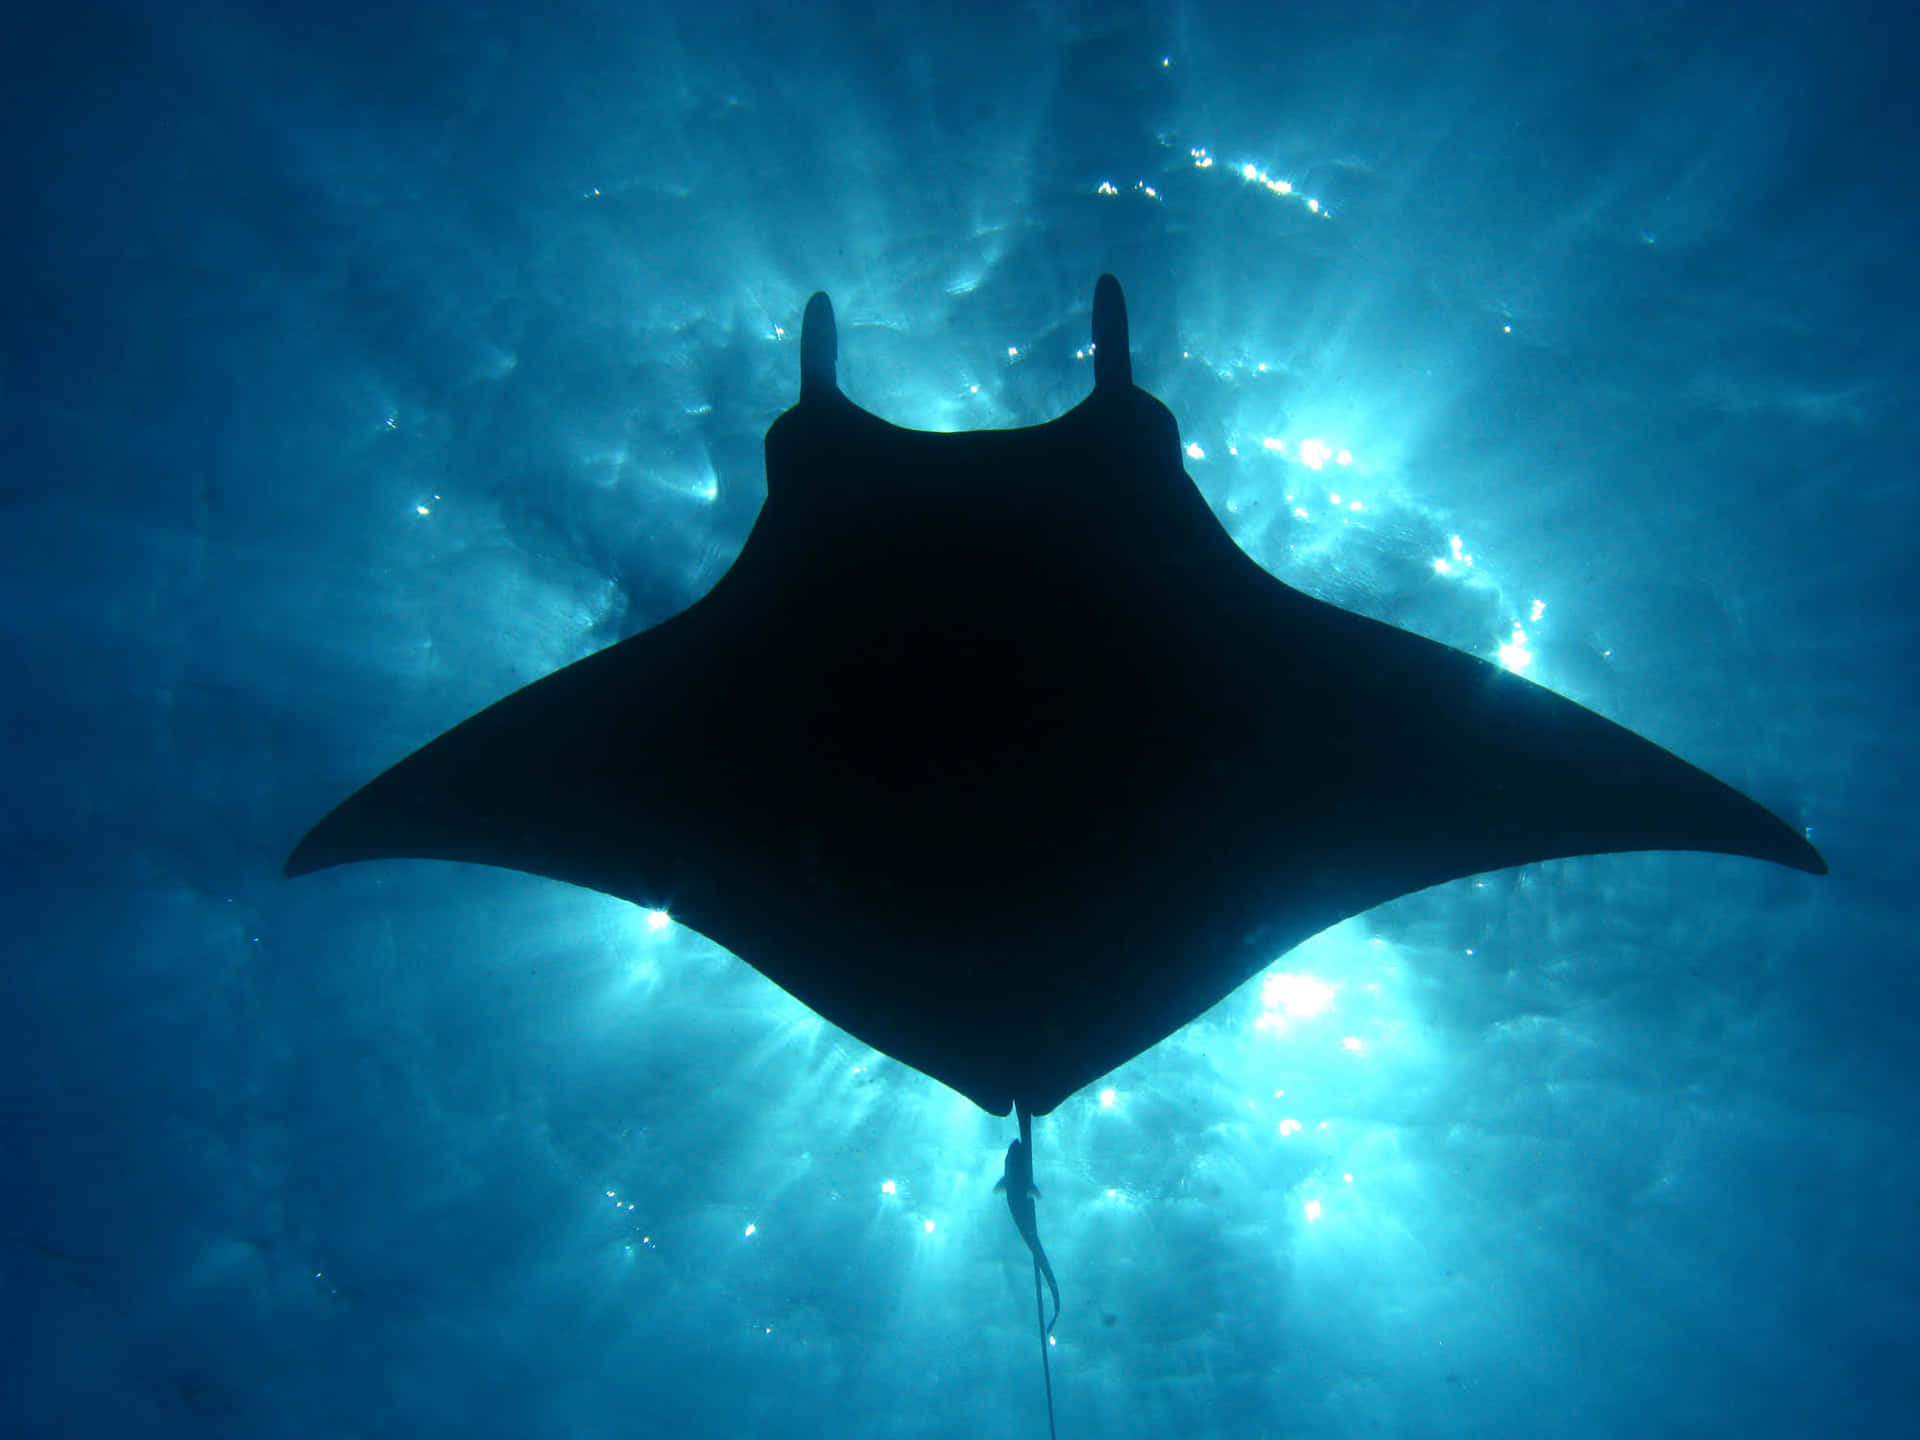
(1021, 1193)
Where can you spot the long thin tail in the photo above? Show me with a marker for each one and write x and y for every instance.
(1046, 1366)
(1039, 1305)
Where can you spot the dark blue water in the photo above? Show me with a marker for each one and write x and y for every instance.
(364, 363)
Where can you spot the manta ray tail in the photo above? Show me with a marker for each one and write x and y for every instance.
(1039, 1306)
(1046, 1366)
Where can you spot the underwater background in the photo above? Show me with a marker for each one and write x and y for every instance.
(361, 363)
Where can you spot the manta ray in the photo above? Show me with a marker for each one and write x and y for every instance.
(995, 750)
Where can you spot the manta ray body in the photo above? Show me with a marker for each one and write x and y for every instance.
(996, 751)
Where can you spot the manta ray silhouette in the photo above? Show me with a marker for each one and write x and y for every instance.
(996, 751)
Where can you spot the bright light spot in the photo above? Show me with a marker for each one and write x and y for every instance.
(973, 389)
(1250, 172)
(1201, 159)
(423, 510)
(1314, 206)
(658, 920)
(1300, 512)
(1315, 453)
(929, 1227)
(886, 1187)
(393, 422)
(1539, 609)
(1013, 352)
(609, 1194)
(1506, 329)
(1353, 1045)
(1194, 452)
(1314, 1211)
(1107, 1098)
(1301, 996)
(1514, 654)
(1279, 447)
(1344, 457)
(1333, 499)
(1460, 556)
(1348, 1177)
(1356, 507)
(1107, 188)
(1289, 1127)
(750, 1230)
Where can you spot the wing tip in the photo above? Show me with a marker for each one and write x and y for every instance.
(301, 860)
(1787, 845)
(326, 845)
(1792, 850)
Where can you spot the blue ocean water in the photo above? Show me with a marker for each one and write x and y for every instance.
(360, 363)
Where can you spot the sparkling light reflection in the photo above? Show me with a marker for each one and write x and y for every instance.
(1514, 654)
(1299, 997)
(1458, 560)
